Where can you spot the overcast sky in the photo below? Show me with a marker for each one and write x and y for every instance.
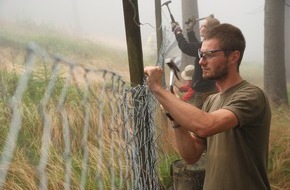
(103, 19)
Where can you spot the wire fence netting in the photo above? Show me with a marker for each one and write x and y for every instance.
(68, 126)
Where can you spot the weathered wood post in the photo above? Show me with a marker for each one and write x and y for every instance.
(143, 142)
(134, 42)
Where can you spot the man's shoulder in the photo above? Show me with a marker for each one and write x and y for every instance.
(247, 87)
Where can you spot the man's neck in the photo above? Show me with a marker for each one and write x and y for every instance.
(228, 83)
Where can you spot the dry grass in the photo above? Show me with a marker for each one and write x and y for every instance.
(106, 148)
(279, 152)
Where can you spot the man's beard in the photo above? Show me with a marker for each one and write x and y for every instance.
(219, 74)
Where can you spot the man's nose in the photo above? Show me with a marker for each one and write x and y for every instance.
(201, 61)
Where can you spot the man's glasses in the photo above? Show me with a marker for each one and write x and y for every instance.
(207, 54)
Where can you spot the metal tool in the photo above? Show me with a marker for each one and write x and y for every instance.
(173, 72)
(171, 16)
(198, 19)
(210, 16)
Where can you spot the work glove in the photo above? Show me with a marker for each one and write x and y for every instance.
(190, 23)
(175, 27)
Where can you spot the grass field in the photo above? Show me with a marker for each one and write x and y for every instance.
(12, 45)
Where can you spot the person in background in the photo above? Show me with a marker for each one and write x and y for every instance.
(233, 125)
(202, 87)
(186, 75)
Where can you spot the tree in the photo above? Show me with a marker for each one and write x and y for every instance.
(274, 52)
(189, 9)
(287, 40)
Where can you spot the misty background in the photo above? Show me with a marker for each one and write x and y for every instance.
(104, 21)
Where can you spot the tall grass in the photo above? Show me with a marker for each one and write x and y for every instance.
(14, 38)
(22, 171)
(279, 152)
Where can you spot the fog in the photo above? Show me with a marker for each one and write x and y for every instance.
(104, 20)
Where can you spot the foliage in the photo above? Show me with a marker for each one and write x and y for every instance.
(83, 51)
(279, 152)
(28, 149)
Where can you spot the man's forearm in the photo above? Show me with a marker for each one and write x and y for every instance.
(185, 114)
(189, 147)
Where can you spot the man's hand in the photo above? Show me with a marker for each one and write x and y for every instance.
(154, 76)
(176, 28)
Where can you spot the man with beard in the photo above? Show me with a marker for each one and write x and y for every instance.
(233, 125)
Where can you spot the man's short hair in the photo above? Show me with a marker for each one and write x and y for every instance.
(230, 37)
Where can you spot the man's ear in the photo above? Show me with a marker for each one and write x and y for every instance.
(235, 56)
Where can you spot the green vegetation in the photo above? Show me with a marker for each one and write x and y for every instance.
(81, 51)
(22, 171)
(279, 152)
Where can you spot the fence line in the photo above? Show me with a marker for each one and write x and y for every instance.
(96, 132)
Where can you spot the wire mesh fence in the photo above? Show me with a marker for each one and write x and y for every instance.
(67, 126)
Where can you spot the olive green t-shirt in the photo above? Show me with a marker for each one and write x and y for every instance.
(237, 158)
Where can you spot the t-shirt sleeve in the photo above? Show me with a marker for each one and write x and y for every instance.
(247, 105)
